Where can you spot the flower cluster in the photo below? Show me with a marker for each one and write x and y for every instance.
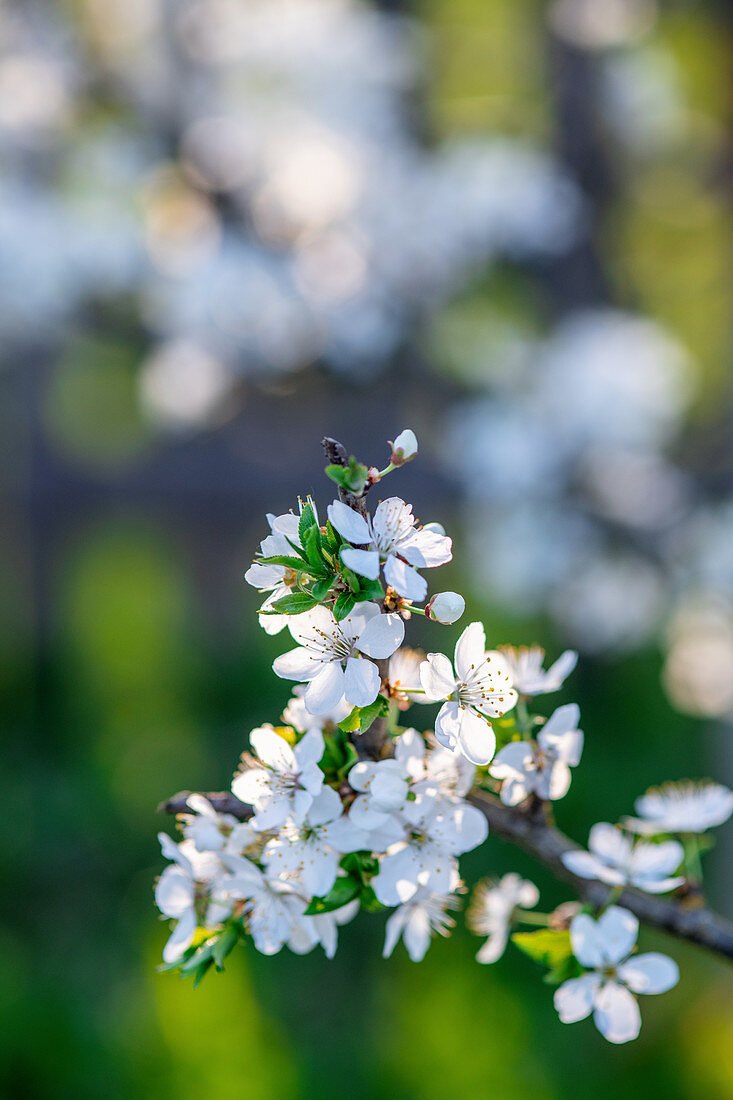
(343, 808)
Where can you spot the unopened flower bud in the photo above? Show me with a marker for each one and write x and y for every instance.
(404, 447)
(373, 476)
(446, 607)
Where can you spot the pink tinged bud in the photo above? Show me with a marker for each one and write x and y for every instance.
(446, 607)
(404, 447)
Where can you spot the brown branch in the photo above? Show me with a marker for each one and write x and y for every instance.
(530, 830)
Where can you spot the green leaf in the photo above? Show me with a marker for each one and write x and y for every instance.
(321, 588)
(344, 604)
(283, 559)
(378, 709)
(312, 545)
(343, 891)
(225, 943)
(546, 946)
(370, 590)
(361, 718)
(307, 520)
(361, 865)
(351, 723)
(294, 604)
(369, 900)
(569, 968)
(352, 477)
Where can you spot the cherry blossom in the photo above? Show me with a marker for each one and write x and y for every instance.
(437, 830)
(616, 859)
(309, 852)
(393, 539)
(383, 788)
(283, 781)
(528, 675)
(309, 931)
(331, 656)
(683, 807)
(417, 920)
(272, 904)
(542, 768)
(211, 831)
(176, 892)
(492, 912)
(480, 688)
(604, 948)
(271, 578)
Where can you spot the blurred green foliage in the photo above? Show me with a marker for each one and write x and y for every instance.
(132, 693)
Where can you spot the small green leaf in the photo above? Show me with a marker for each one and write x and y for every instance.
(361, 865)
(341, 893)
(307, 520)
(338, 474)
(370, 590)
(344, 604)
(378, 709)
(283, 559)
(569, 968)
(546, 946)
(321, 588)
(312, 545)
(293, 604)
(369, 900)
(225, 943)
(351, 722)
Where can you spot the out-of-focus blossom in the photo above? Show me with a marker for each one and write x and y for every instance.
(492, 911)
(619, 860)
(683, 807)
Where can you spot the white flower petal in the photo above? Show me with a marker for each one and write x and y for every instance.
(618, 929)
(273, 750)
(361, 681)
(326, 689)
(649, 973)
(476, 738)
(405, 579)
(181, 937)
(436, 677)
(470, 650)
(363, 562)
(349, 524)
(297, 664)
(574, 999)
(616, 1014)
(381, 636)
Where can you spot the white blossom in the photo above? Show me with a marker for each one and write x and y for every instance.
(297, 715)
(604, 947)
(419, 918)
(683, 807)
(404, 447)
(272, 905)
(383, 788)
(211, 831)
(391, 538)
(437, 830)
(403, 676)
(618, 860)
(542, 768)
(271, 578)
(492, 912)
(332, 656)
(446, 607)
(176, 892)
(480, 687)
(436, 771)
(528, 675)
(283, 781)
(309, 852)
(308, 931)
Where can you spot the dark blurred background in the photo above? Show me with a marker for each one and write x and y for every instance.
(228, 227)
